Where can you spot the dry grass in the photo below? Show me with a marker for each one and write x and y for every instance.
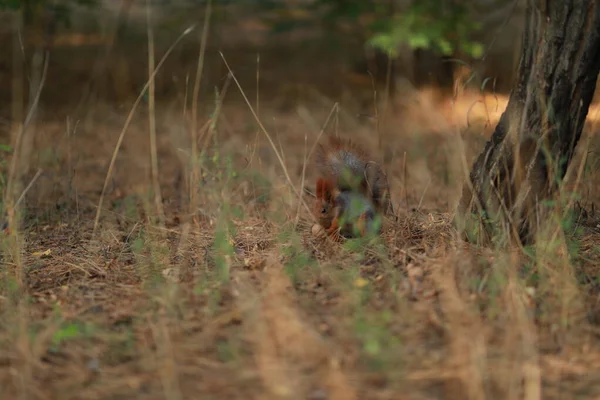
(229, 297)
(236, 303)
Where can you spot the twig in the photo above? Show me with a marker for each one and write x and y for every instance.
(22, 196)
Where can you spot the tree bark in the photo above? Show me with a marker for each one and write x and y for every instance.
(532, 145)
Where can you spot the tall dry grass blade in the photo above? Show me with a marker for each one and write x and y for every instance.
(212, 122)
(38, 62)
(405, 180)
(579, 177)
(185, 96)
(12, 173)
(17, 95)
(332, 112)
(423, 194)
(152, 121)
(19, 127)
(24, 363)
(126, 126)
(463, 224)
(376, 111)
(195, 174)
(28, 187)
(525, 332)
(257, 107)
(166, 357)
(70, 169)
(267, 135)
(384, 112)
(297, 218)
(465, 334)
(309, 155)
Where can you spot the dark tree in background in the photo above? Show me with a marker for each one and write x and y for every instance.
(535, 139)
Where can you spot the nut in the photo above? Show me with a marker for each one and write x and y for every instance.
(318, 230)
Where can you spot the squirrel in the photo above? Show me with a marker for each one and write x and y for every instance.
(351, 192)
(345, 214)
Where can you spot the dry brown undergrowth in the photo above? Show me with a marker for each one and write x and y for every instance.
(236, 303)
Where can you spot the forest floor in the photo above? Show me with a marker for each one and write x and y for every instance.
(233, 297)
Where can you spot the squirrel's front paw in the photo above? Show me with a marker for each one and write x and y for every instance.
(321, 233)
(336, 237)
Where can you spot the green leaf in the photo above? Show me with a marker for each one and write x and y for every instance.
(477, 50)
(445, 47)
(386, 43)
(419, 41)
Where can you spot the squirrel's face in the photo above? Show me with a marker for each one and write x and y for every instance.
(323, 212)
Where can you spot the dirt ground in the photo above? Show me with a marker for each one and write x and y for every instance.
(231, 296)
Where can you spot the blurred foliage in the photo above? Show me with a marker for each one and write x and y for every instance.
(428, 24)
(443, 26)
(61, 10)
(10, 4)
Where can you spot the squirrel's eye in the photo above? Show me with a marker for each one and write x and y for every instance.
(323, 210)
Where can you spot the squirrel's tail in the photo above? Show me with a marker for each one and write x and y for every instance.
(343, 160)
(352, 169)
(378, 187)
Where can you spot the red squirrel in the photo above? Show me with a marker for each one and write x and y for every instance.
(344, 214)
(352, 191)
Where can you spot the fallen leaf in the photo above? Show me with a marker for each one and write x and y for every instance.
(42, 253)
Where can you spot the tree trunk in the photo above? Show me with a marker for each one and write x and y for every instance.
(534, 141)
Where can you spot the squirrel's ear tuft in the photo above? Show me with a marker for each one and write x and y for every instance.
(320, 188)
